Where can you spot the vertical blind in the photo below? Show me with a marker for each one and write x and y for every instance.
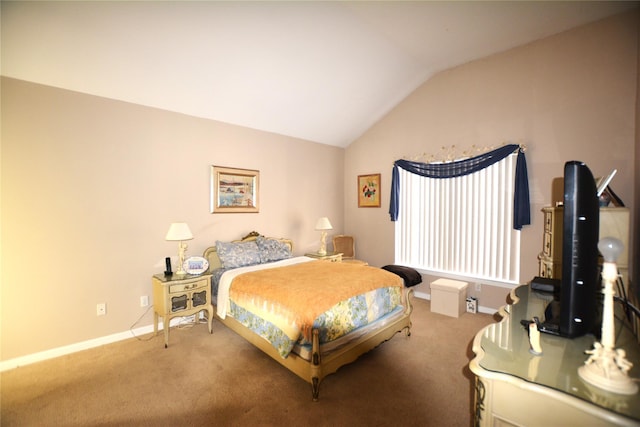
(463, 225)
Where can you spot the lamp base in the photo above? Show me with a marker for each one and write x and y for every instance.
(607, 369)
(182, 248)
(323, 244)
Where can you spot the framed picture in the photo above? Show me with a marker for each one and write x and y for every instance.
(369, 191)
(234, 190)
(195, 265)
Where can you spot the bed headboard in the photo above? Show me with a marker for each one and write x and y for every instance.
(212, 255)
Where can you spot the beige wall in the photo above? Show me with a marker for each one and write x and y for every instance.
(567, 97)
(90, 186)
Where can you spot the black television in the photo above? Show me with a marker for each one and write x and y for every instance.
(574, 311)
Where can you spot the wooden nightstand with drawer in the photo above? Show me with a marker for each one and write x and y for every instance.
(329, 256)
(176, 295)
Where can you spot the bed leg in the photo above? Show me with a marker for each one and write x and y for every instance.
(407, 298)
(315, 365)
(408, 310)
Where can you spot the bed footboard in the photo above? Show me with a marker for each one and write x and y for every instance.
(314, 370)
(348, 354)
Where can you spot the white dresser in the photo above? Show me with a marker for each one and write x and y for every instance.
(513, 387)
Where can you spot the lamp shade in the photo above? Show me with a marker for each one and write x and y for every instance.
(610, 248)
(323, 224)
(179, 231)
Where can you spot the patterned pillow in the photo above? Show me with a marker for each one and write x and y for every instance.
(235, 255)
(272, 250)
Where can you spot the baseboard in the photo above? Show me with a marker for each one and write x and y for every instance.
(481, 309)
(131, 333)
(422, 295)
(84, 345)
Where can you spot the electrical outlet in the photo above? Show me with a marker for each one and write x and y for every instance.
(144, 301)
(101, 309)
(478, 287)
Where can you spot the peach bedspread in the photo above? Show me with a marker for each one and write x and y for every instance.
(298, 294)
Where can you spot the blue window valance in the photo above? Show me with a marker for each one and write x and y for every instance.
(522, 209)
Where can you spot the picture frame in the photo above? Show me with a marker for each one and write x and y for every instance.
(234, 190)
(369, 191)
(195, 265)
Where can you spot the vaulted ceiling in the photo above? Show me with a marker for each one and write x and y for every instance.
(320, 71)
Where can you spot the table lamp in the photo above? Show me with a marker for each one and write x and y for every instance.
(607, 367)
(179, 231)
(323, 225)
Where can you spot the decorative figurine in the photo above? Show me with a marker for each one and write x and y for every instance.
(607, 367)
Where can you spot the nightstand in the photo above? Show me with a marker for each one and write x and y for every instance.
(330, 256)
(184, 295)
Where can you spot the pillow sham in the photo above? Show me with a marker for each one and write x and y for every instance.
(272, 250)
(233, 255)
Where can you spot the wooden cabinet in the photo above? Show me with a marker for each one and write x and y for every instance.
(552, 243)
(614, 222)
(177, 295)
(550, 259)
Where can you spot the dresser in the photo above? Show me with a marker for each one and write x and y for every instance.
(614, 222)
(513, 387)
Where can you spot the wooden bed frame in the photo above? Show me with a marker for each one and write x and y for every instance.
(320, 365)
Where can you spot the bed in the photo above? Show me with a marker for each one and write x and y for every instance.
(256, 297)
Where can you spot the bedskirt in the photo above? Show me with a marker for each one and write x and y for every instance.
(343, 318)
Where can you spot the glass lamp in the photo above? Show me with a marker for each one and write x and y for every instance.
(323, 225)
(179, 231)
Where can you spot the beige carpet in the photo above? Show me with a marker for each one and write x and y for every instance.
(220, 379)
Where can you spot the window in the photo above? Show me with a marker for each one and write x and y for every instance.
(461, 225)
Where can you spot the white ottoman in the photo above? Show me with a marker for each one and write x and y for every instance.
(449, 297)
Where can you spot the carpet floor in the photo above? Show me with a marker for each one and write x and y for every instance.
(220, 379)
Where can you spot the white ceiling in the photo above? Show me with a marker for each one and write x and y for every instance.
(320, 71)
